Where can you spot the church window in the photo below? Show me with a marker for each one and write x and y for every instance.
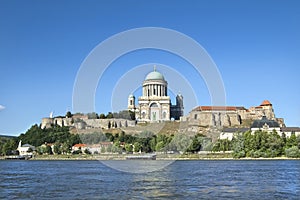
(164, 115)
(143, 115)
(154, 105)
(195, 116)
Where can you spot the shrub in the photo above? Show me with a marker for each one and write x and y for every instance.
(292, 152)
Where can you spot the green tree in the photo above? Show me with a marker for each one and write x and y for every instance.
(93, 115)
(65, 148)
(129, 148)
(292, 152)
(102, 116)
(87, 151)
(68, 114)
(195, 146)
(238, 146)
(291, 141)
(137, 147)
(48, 150)
(159, 146)
(109, 115)
(9, 147)
(57, 148)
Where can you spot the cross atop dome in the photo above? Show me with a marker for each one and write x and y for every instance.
(154, 68)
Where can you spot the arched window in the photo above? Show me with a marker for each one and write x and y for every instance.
(154, 105)
(164, 115)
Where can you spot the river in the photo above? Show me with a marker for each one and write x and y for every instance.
(203, 179)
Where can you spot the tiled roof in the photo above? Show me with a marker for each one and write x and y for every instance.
(290, 129)
(235, 130)
(266, 103)
(218, 108)
(79, 145)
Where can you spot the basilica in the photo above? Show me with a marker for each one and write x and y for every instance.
(155, 105)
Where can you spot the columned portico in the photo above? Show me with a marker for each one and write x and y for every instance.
(154, 105)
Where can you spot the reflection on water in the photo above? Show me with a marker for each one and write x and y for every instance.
(137, 166)
(180, 180)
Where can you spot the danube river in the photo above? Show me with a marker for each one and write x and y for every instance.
(223, 179)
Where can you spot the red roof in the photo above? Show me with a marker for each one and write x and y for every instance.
(79, 145)
(218, 108)
(266, 103)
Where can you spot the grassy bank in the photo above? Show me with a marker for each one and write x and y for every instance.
(208, 156)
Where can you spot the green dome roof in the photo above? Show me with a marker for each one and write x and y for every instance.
(155, 76)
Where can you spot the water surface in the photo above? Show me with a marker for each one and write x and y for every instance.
(268, 179)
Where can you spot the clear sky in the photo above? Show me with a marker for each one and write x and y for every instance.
(255, 45)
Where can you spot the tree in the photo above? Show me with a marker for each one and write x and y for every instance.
(56, 148)
(93, 115)
(65, 148)
(9, 147)
(291, 141)
(102, 116)
(109, 115)
(87, 151)
(159, 146)
(68, 114)
(48, 150)
(195, 146)
(132, 115)
(137, 147)
(129, 148)
(238, 146)
(292, 152)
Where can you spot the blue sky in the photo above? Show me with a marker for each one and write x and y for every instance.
(255, 45)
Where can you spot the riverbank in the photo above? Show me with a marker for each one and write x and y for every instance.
(212, 156)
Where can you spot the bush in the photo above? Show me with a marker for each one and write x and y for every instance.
(292, 152)
(77, 152)
(240, 154)
(87, 151)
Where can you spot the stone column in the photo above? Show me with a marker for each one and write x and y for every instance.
(159, 94)
(148, 91)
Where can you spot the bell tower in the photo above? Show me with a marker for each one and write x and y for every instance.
(131, 103)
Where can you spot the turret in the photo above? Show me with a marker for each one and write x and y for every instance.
(131, 103)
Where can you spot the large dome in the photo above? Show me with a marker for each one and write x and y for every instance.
(155, 76)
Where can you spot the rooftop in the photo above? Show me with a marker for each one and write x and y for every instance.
(155, 75)
(266, 103)
(218, 108)
(260, 123)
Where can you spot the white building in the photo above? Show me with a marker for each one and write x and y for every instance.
(264, 124)
(155, 104)
(26, 149)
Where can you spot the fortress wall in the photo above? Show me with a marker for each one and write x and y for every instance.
(84, 123)
(46, 122)
(198, 118)
(103, 123)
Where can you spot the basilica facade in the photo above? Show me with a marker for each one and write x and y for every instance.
(155, 105)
